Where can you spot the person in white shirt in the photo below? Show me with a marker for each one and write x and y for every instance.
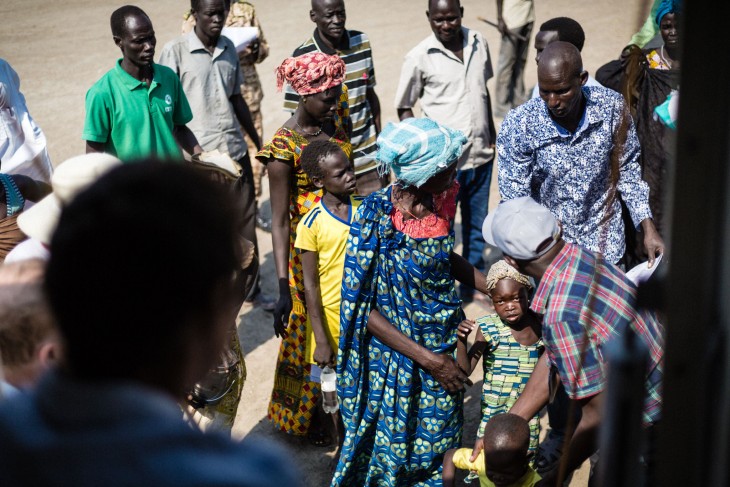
(515, 19)
(447, 74)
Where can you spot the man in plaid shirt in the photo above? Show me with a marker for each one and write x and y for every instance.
(585, 302)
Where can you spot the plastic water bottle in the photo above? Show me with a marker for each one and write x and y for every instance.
(328, 380)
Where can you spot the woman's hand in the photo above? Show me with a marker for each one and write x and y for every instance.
(448, 373)
(281, 314)
(282, 310)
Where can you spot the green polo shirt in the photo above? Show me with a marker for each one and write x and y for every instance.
(134, 120)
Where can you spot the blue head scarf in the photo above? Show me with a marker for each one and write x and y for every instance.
(667, 7)
(418, 148)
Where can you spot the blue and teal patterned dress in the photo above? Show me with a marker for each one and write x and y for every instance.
(399, 421)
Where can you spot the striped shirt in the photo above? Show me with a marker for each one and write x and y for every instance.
(360, 76)
(580, 290)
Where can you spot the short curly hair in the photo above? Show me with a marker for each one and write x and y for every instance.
(314, 153)
(195, 4)
(118, 19)
(568, 30)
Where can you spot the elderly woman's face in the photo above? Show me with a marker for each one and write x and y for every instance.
(322, 106)
(669, 30)
(440, 182)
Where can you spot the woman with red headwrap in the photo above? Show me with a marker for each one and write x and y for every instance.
(317, 78)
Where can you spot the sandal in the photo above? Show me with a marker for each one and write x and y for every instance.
(549, 453)
(319, 438)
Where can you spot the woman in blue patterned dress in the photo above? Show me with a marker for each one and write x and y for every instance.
(400, 388)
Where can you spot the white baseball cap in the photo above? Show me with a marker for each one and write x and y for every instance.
(70, 178)
(518, 227)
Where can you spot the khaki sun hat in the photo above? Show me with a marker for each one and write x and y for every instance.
(70, 178)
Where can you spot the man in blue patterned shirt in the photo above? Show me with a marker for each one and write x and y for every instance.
(575, 151)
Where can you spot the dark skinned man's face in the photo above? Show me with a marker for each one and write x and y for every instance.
(445, 19)
(330, 17)
(542, 39)
(560, 87)
(210, 18)
(138, 41)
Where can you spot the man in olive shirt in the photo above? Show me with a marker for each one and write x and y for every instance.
(211, 77)
(138, 108)
(447, 75)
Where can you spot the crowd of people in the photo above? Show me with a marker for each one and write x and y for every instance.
(125, 268)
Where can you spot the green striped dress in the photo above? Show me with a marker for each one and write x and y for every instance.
(507, 368)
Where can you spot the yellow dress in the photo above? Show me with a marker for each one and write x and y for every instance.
(322, 232)
(295, 395)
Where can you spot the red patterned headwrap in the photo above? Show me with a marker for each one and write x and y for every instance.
(311, 73)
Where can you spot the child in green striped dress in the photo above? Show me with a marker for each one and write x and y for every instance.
(510, 342)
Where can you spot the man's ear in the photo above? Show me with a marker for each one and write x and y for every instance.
(583, 77)
(117, 41)
(461, 9)
(313, 15)
(49, 353)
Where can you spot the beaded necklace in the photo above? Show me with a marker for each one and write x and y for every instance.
(398, 205)
(308, 134)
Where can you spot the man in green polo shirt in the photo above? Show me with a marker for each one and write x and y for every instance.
(138, 108)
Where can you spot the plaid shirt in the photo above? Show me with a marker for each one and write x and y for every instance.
(575, 281)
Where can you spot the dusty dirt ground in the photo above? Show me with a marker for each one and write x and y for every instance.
(60, 49)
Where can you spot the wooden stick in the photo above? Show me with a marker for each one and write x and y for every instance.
(510, 34)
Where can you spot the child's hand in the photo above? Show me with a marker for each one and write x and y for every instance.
(464, 329)
(478, 447)
(324, 355)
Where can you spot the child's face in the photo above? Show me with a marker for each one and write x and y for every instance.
(510, 300)
(339, 176)
(505, 468)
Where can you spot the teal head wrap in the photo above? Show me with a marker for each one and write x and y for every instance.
(667, 7)
(418, 148)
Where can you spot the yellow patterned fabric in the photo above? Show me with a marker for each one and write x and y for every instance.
(295, 395)
(657, 61)
(221, 416)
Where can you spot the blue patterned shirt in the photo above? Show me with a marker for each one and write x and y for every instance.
(573, 174)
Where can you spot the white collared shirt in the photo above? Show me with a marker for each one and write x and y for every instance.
(452, 92)
(209, 81)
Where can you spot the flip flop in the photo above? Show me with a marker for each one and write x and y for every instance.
(319, 439)
(549, 453)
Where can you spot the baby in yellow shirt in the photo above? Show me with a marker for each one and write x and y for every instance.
(504, 462)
